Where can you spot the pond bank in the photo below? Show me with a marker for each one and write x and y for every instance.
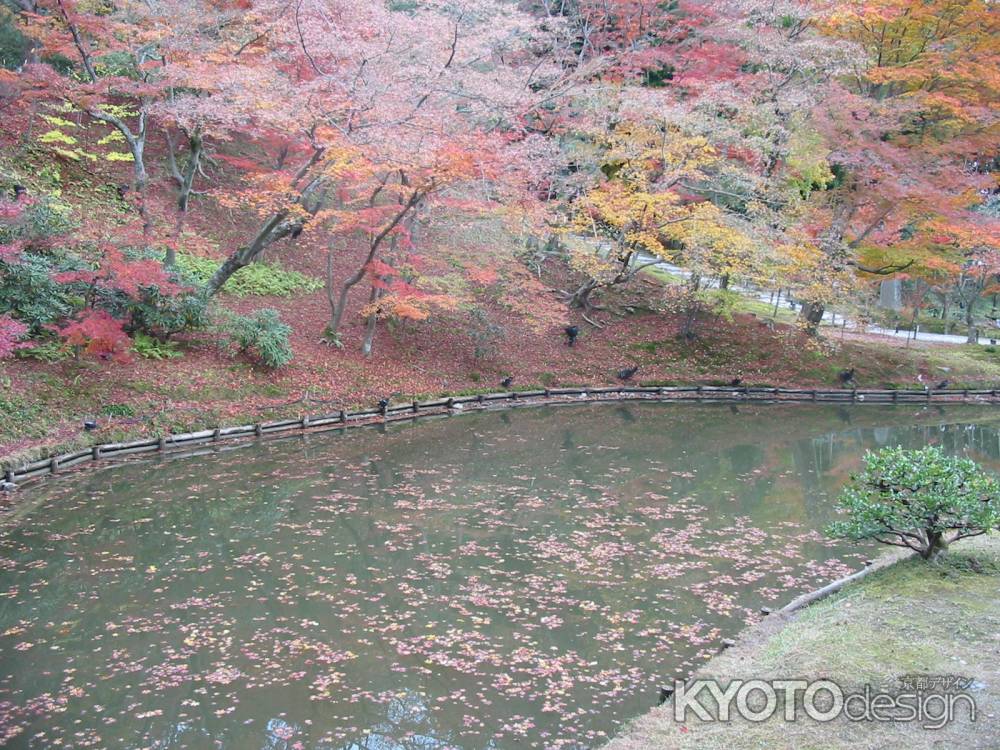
(44, 406)
(912, 618)
(14, 475)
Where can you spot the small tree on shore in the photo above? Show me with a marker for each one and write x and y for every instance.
(920, 499)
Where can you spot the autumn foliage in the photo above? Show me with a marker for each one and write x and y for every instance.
(816, 147)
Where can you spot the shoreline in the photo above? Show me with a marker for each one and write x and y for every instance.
(14, 478)
(847, 632)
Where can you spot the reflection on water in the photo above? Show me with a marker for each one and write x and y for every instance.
(498, 580)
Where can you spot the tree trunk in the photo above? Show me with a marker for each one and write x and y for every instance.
(170, 255)
(936, 545)
(277, 226)
(972, 334)
(138, 148)
(194, 161)
(913, 325)
(690, 318)
(273, 229)
(366, 347)
(339, 304)
(812, 314)
(185, 185)
(581, 297)
(370, 322)
(140, 178)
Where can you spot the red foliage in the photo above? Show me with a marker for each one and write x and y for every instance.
(11, 210)
(97, 333)
(118, 273)
(11, 333)
(710, 61)
(377, 268)
(10, 252)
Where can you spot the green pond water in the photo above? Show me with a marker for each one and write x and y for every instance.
(515, 579)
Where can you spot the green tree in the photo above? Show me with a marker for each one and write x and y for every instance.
(920, 499)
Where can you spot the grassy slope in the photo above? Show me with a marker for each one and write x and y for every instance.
(911, 618)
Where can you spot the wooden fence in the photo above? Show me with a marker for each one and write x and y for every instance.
(416, 409)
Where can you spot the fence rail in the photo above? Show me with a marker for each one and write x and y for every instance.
(411, 410)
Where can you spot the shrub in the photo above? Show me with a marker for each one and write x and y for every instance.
(920, 499)
(151, 348)
(28, 291)
(261, 279)
(96, 333)
(118, 410)
(14, 46)
(261, 335)
(161, 315)
(50, 350)
(41, 219)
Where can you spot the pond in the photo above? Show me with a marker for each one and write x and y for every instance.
(512, 579)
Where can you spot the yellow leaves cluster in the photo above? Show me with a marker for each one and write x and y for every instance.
(808, 161)
(629, 215)
(711, 243)
(650, 152)
(58, 122)
(266, 194)
(698, 235)
(799, 257)
(113, 136)
(592, 260)
(57, 136)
